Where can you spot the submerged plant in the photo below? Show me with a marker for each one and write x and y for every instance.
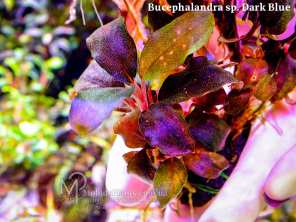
(190, 116)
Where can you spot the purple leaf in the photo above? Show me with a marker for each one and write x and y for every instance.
(95, 76)
(91, 106)
(198, 79)
(164, 127)
(114, 50)
(206, 164)
(210, 131)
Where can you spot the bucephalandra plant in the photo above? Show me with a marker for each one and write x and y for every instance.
(190, 116)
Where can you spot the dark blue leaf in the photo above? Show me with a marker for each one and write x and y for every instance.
(163, 127)
(114, 50)
(198, 79)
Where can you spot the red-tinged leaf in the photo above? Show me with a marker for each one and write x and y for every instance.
(265, 88)
(169, 180)
(251, 70)
(132, 12)
(128, 128)
(237, 101)
(140, 165)
(206, 164)
(169, 46)
(91, 106)
(211, 99)
(163, 127)
(129, 155)
(95, 76)
(114, 50)
(286, 77)
(198, 79)
(210, 131)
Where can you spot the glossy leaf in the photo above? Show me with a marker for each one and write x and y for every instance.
(210, 131)
(265, 88)
(163, 127)
(211, 99)
(168, 47)
(114, 50)
(90, 107)
(206, 164)
(198, 79)
(128, 127)
(169, 180)
(141, 166)
(95, 76)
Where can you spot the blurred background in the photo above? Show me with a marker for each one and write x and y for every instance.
(40, 59)
(42, 161)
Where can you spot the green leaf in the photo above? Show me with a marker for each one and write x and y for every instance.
(169, 180)
(54, 63)
(168, 47)
(9, 4)
(90, 107)
(265, 88)
(13, 64)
